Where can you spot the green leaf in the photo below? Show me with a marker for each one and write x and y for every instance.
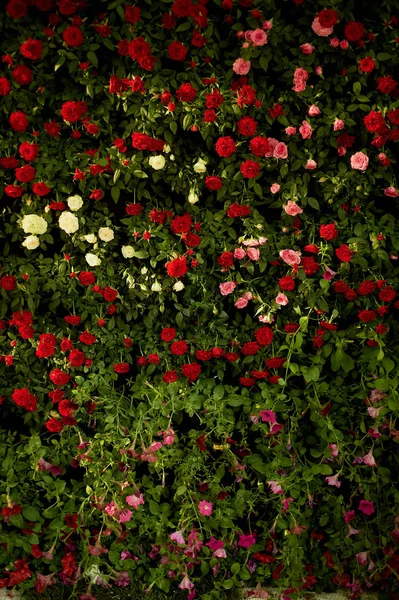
(173, 127)
(383, 56)
(311, 374)
(314, 203)
(30, 513)
(357, 88)
(115, 193)
(91, 56)
(140, 174)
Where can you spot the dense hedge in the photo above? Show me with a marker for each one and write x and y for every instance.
(198, 295)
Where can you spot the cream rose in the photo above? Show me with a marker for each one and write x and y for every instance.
(200, 166)
(75, 202)
(179, 286)
(68, 222)
(90, 238)
(193, 197)
(92, 260)
(31, 242)
(106, 234)
(156, 287)
(127, 251)
(157, 162)
(34, 224)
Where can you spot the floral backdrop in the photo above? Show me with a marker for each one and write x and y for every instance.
(199, 295)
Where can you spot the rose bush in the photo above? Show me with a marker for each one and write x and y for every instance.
(199, 295)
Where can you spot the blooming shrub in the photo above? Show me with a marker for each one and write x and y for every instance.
(199, 295)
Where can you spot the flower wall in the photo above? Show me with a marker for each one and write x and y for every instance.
(199, 295)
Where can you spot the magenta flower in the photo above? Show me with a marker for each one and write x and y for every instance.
(268, 416)
(333, 480)
(214, 544)
(275, 487)
(177, 537)
(366, 507)
(205, 508)
(186, 584)
(125, 515)
(135, 500)
(246, 541)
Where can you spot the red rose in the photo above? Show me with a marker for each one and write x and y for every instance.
(328, 17)
(66, 408)
(259, 145)
(177, 267)
(5, 86)
(328, 326)
(387, 294)
(181, 224)
(9, 162)
(168, 334)
(133, 209)
(170, 377)
(22, 74)
(40, 189)
(142, 141)
(72, 319)
(73, 36)
(354, 31)
(393, 116)
(287, 283)
(386, 85)
(153, 359)
(87, 338)
(260, 374)
(231, 356)
(18, 121)
(147, 62)
(344, 253)
(67, 7)
(225, 146)
(217, 352)
(54, 425)
(191, 371)
(29, 151)
(76, 358)
(32, 49)
(96, 195)
(168, 21)
(328, 232)
(132, 14)
(311, 248)
(66, 344)
(226, 259)
(179, 348)
(25, 399)
(247, 381)
(177, 51)
(121, 368)
(86, 278)
(264, 336)
(291, 327)
(203, 355)
(250, 348)
(247, 126)
(238, 210)
(381, 329)
(25, 173)
(250, 169)
(58, 377)
(213, 183)
(214, 100)
(367, 315)
(198, 40)
(275, 363)
(110, 294)
(309, 265)
(366, 65)
(366, 287)
(209, 116)
(14, 191)
(16, 9)
(374, 122)
(52, 128)
(186, 93)
(340, 287)
(139, 48)
(192, 240)
(73, 111)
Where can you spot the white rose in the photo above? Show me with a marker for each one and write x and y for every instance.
(92, 260)
(179, 286)
(157, 162)
(127, 251)
(75, 202)
(156, 287)
(106, 234)
(90, 238)
(167, 148)
(144, 270)
(200, 166)
(68, 222)
(31, 242)
(193, 197)
(172, 157)
(34, 224)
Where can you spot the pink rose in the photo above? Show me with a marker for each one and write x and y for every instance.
(391, 192)
(241, 66)
(338, 124)
(267, 25)
(282, 299)
(272, 144)
(246, 45)
(311, 164)
(300, 74)
(318, 70)
(314, 111)
(305, 130)
(262, 240)
(290, 257)
(274, 188)
(292, 209)
(382, 156)
(227, 288)
(253, 253)
(300, 86)
(239, 253)
(280, 151)
(344, 44)
(334, 42)
(241, 302)
(320, 30)
(290, 130)
(248, 35)
(341, 151)
(359, 161)
(259, 37)
(307, 49)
